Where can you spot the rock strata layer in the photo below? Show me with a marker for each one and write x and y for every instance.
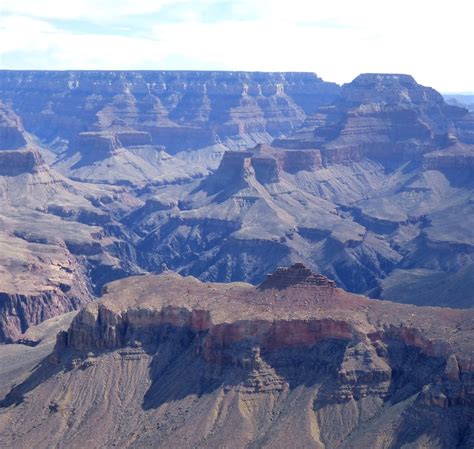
(213, 365)
(179, 110)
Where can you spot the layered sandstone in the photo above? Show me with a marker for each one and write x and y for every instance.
(49, 233)
(266, 163)
(297, 275)
(290, 296)
(347, 194)
(16, 157)
(98, 145)
(456, 157)
(385, 117)
(179, 110)
(216, 365)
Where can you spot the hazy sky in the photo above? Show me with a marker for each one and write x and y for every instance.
(337, 39)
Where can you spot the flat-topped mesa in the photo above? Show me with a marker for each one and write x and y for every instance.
(265, 162)
(291, 160)
(97, 144)
(298, 275)
(388, 88)
(231, 171)
(235, 166)
(17, 162)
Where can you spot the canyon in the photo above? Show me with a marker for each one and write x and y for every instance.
(234, 259)
(225, 176)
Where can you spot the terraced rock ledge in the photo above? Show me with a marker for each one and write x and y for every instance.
(169, 361)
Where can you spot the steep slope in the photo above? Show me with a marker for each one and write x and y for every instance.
(166, 361)
(19, 359)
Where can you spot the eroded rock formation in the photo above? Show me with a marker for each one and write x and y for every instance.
(179, 110)
(386, 117)
(213, 365)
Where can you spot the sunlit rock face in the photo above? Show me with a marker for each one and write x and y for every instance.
(213, 365)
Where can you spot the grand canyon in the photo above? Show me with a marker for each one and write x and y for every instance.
(203, 259)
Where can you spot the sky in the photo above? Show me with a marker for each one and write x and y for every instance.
(337, 39)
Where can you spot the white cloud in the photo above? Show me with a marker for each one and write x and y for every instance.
(61, 49)
(337, 39)
(104, 10)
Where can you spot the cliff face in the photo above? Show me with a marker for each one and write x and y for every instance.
(457, 157)
(179, 110)
(13, 163)
(18, 312)
(212, 365)
(15, 156)
(11, 136)
(110, 126)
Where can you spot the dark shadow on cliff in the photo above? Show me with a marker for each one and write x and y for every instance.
(411, 369)
(176, 375)
(451, 427)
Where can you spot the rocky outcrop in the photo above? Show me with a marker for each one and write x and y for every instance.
(18, 312)
(14, 163)
(294, 160)
(11, 130)
(134, 138)
(212, 365)
(388, 89)
(456, 157)
(16, 157)
(265, 162)
(97, 145)
(296, 275)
